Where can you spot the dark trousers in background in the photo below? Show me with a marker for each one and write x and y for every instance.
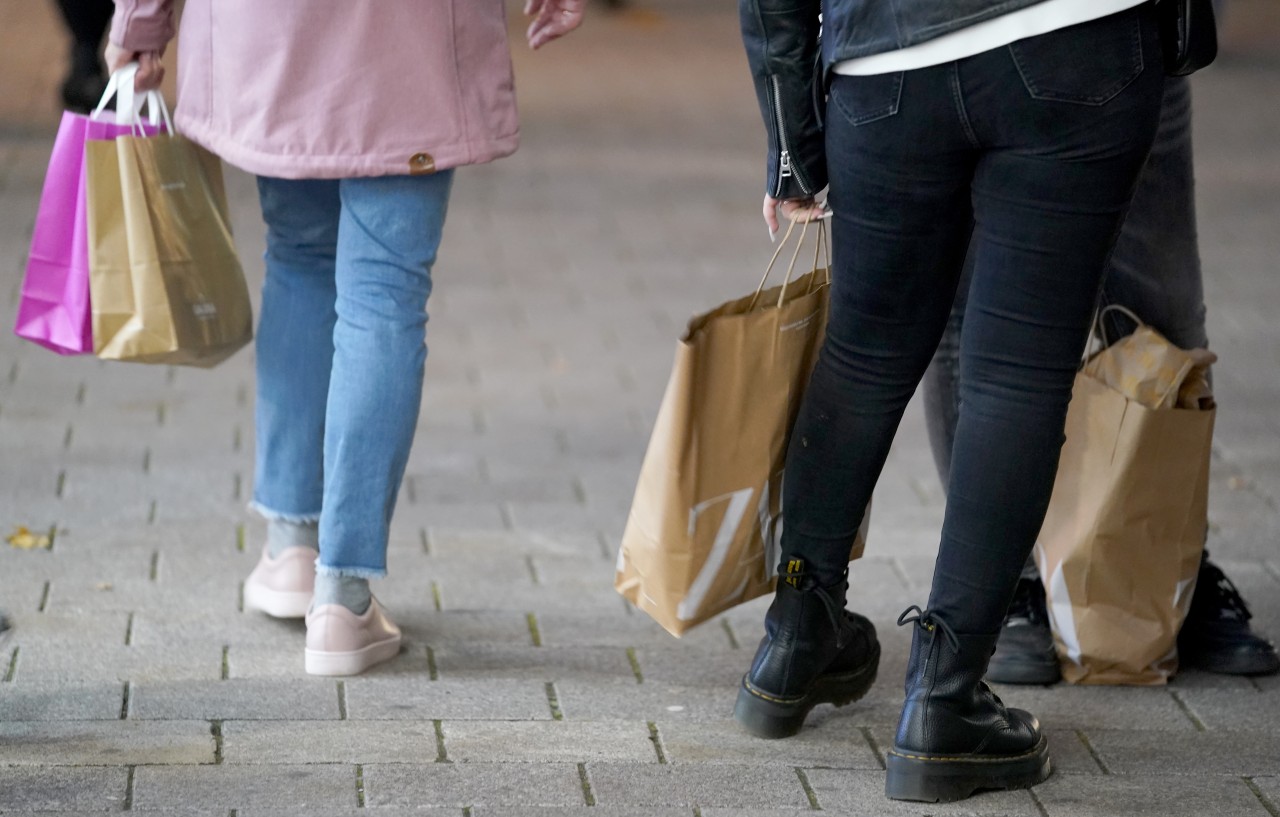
(1033, 150)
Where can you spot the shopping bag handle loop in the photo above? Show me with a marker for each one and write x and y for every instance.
(795, 255)
(129, 104)
(1099, 327)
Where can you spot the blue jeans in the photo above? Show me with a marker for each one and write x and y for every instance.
(1033, 150)
(1154, 269)
(340, 354)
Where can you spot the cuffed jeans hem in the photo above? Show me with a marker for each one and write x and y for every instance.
(276, 516)
(351, 572)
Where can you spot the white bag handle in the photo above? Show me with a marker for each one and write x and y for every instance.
(129, 104)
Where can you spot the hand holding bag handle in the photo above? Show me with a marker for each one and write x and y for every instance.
(129, 103)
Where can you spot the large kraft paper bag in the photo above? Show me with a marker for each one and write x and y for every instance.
(703, 529)
(1121, 543)
(164, 278)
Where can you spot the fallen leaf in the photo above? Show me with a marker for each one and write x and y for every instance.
(104, 586)
(24, 539)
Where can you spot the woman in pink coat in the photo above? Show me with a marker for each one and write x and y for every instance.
(352, 116)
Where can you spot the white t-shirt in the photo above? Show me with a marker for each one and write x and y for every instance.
(1032, 21)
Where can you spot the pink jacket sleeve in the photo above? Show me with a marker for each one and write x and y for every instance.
(142, 25)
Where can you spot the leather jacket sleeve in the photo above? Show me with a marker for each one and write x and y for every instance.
(781, 38)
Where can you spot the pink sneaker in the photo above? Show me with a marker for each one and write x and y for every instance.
(339, 642)
(282, 587)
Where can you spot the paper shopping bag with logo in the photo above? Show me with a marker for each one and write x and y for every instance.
(702, 533)
(53, 309)
(165, 282)
(1122, 540)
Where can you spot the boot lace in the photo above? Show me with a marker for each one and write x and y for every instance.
(1221, 597)
(925, 619)
(834, 607)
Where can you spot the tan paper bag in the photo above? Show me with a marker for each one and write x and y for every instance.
(164, 279)
(1121, 543)
(702, 535)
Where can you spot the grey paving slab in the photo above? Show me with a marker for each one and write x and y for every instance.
(408, 811)
(1240, 753)
(101, 700)
(548, 741)
(741, 786)
(296, 742)
(52, 788)
(1076, 707)
(419, 698)
(118, 662)
(1268, 792)
(620, 629)
(457, 662)
(862, 793)
(180, 789)
(651, 701)
(442, 627)
(831, 744)
(234, 699)
(473, 784)
(104, 743)
(158, 627)
(1235, 709)
(1152, 795)
(579, 811)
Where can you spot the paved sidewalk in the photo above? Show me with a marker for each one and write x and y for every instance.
(527, 687)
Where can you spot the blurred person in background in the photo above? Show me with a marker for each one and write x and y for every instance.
(1154, 271)
(353, 117)
(86, 79)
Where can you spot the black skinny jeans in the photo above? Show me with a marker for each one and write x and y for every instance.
(1033, 149)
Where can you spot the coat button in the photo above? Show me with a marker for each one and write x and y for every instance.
(420, 163)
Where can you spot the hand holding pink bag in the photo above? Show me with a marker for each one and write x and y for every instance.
(54, 309)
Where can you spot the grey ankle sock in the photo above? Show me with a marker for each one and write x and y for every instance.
(349, 591)
(282, 535)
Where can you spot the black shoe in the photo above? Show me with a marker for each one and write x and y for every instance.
(1216, 636)
(956, 737)
(1025, 653)
(814, 651)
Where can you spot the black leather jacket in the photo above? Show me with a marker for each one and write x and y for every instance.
(790, 66)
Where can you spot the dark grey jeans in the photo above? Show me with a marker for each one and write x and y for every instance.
(1154, 270)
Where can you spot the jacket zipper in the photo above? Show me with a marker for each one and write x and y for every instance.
(785, 170)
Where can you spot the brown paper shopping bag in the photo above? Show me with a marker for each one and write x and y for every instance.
(1121, 543)
(164, 279)
(702, 533)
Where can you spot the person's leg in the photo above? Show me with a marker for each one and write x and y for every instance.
(389, 232)
(87, 22)
(294, 353)
(941, 383)
(900, 197)
(1064, 142)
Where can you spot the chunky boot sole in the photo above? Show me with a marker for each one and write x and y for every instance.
(771, 717)
(943, 778)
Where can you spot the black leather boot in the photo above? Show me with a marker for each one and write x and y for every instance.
(956, 736)
(814, 651)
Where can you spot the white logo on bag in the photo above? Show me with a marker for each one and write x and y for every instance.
(770, 527)
(205, 311)
(174, 186)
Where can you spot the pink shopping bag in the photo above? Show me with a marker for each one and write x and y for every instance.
(54, 310)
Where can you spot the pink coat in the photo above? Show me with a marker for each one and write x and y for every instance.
(337, 88)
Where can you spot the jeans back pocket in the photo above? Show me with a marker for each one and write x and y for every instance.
(1088, 63)
(863, 99)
